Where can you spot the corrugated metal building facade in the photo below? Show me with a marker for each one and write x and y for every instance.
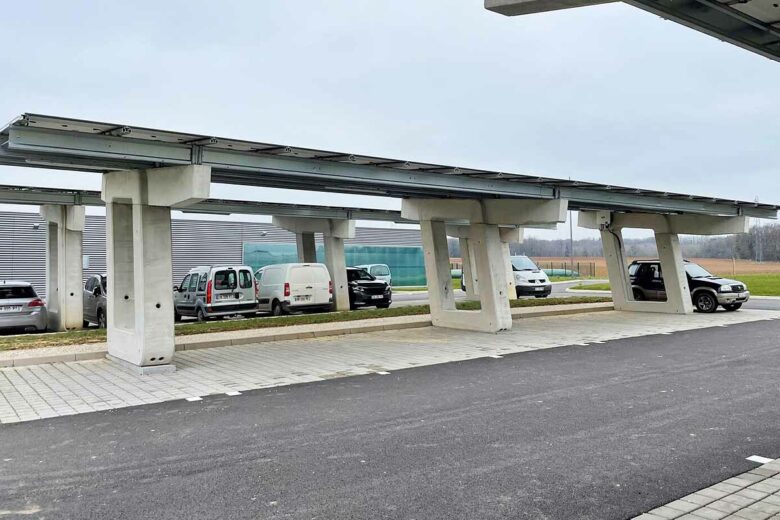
(195, 242)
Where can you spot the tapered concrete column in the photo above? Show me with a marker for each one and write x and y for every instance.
(437, 272)
(334, 231)
(678, 294)
(64, 278)
(491, 271)
(468, 268)
(617, 268)
(307, 250)
(138, 239)
(507, 236)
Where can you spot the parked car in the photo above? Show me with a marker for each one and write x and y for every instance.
(94, 301)
(379, 271)
(20, 307)
(529, 279)
(286, 288)
(707, 290)
(216, 291)
(366, 289)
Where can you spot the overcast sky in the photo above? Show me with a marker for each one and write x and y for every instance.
(607, 94)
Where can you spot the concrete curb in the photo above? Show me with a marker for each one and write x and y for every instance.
(201, 341)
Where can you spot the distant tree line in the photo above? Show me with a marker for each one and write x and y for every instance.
(762, 243)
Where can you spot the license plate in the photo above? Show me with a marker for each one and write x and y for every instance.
(538, 288)
(304, 298)
(226, 297)
(377, 297)
(11, 308)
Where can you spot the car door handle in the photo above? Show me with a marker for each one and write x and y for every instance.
(309, 287)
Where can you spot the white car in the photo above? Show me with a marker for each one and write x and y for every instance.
(285, 288)
(378, 271)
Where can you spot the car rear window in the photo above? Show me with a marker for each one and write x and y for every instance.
(245, 279)
(380, 270)
(225, 280)
(14, 292)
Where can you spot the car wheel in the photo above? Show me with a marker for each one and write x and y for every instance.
(638, 295)
(732, 307)
(176, 316)
(84, 324)
(201, 316)
(276, 309)
(101, 320)
(705, 302)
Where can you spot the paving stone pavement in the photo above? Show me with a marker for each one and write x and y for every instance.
(49, 390)
(754, 495)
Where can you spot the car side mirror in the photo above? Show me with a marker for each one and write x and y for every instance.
(96, 291)
(175, 288)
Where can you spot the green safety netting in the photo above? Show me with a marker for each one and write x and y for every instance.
(406, 263)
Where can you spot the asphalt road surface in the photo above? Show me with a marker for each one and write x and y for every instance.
(604, 431)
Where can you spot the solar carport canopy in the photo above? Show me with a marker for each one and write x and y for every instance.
(73, 144)
(751, 24)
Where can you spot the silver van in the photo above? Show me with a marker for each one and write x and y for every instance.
(215, 291)
(285, 288)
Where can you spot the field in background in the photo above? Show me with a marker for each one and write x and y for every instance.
(719, 266)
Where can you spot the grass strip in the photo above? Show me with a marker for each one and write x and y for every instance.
(77, 337)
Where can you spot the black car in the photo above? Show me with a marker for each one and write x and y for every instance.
(707, 290)
(365, 289)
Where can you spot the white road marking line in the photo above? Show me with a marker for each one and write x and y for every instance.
(233, 393)
(759, 459)
(191, 399)
(383, 373)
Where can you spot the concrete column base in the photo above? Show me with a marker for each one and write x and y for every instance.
(141, 370)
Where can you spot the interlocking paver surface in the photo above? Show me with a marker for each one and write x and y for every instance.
(40, 391)
(749, 496)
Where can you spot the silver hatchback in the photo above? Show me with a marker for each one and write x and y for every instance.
(20, 307)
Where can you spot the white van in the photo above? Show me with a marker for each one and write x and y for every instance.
(378, 271)
(284, 288)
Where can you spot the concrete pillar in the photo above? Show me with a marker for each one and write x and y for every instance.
(469, 269)
(307, 250)
(336, 263)
(491, 259)
(138, 239)
(64, 277)
(678, 294)
(507, 236)
(437, 271)
(334, 231)
(617, 268)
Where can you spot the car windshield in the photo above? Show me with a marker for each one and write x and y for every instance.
(696, 271)
(13, 292)
(380, 270)
(523, 263)
(358, 274)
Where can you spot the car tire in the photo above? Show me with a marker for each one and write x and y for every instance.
(84, 324)
(732, 307)
(101, 317)
(200, 316)
(705, 302)
(176, 316)
(638, 295)
(276, 308)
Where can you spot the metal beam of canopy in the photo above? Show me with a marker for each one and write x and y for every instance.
(751, 24)
(70, 144)
(41, 196)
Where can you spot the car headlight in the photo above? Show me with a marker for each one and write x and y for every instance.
(725, 288)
